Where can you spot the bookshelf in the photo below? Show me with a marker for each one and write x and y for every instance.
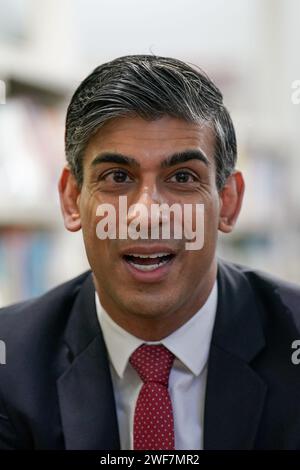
(35, 252)
(42, 60)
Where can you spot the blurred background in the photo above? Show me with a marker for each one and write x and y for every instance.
(250, 48)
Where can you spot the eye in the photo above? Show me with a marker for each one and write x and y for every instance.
(116, 176)
(183, 177)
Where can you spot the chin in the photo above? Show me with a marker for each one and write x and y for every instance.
(147, 306)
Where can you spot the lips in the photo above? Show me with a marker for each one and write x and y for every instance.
(148, 262)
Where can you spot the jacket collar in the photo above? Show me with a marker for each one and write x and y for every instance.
(85, 391)
(235, 394)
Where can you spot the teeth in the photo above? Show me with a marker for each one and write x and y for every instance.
(147, 267)
(155, 255)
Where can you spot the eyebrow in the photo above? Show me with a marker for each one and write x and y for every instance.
(112, 157)
(171, 160)
(184, 156)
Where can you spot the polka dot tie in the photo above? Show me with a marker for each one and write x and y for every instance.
(153, 427)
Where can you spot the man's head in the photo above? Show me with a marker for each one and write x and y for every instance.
(150, 87)
(155, 130)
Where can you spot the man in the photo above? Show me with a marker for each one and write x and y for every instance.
(158, 346)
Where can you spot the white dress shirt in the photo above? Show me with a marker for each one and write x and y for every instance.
(187, 384)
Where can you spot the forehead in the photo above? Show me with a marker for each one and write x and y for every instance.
(157, 139)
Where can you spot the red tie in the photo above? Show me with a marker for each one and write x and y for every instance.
(153, 427)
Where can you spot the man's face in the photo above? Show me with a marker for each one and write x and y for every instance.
(180, 285)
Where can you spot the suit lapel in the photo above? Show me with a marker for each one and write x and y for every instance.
(235, 394)
(85, 389)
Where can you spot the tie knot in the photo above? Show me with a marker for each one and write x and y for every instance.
(153, 363)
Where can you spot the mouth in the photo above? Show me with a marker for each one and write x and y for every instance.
(146, 263)
(149, 267)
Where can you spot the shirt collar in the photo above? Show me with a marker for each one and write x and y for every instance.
(190, 343)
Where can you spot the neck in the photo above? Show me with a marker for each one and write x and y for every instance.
(155, 328)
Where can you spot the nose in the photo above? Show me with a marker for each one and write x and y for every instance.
(144, 207)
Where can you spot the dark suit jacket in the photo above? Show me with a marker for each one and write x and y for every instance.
(56, 390)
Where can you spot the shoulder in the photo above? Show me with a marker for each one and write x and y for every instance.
(45, 313)
(280, 298)
(287, 291)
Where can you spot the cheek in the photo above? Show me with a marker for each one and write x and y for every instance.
(201, 223)
(88, 223)
(211, 214)
(88, 210)
(206, 227)
(89, 220)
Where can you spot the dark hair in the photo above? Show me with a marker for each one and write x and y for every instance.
(148, 86)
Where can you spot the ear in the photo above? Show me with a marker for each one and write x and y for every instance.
(69, 194)
(231, 198)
